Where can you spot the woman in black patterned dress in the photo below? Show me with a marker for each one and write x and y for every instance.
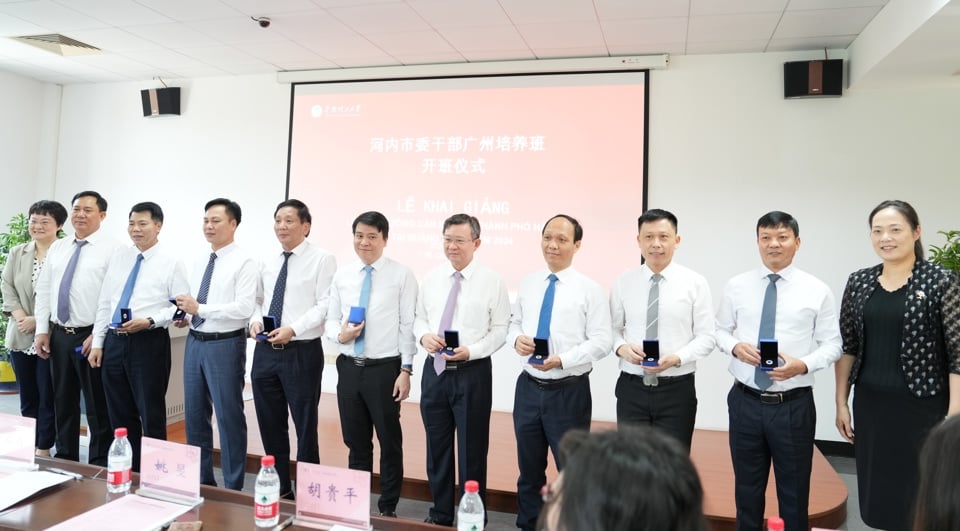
(900, 322)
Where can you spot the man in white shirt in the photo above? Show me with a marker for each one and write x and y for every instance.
(376, 353)
(470, 299)
(288, 363)
(130, 338)
(225, 283)
(66, 308)
(666, 302)
(772, 413)
(568, 315)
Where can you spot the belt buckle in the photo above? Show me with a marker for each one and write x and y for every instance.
(359, 361)
(771, 398)
(452, 366)
(277, 346)
(69, 330)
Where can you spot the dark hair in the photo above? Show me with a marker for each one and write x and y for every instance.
(156, 213)
(632, 478)
(375, 220)
(776, 220)
(577, 229)
(907, 212)
(656, 214)
(303, 212)
(101, 202)
(231, 207)
(938, 497)
(461, 219)
(49, 208)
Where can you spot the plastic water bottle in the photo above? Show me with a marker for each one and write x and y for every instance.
(774, 524)
(119, 462)
(470, 514)
(266, 497)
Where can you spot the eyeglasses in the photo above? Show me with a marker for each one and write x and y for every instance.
(459, 242)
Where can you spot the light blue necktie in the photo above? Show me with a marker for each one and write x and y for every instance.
(768, 327)
(364, 303)
(546, 309)
(128, 289)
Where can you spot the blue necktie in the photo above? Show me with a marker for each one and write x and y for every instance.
(63, 293)
(204, 289)
(768, 327)
(128, 289)
(546, 309)
(276, 303)
(364, 303)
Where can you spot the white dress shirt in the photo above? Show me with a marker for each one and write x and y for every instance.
(310, 271)
(232, 296)
(87, 280)
(806, 327)
(388, 327)
(580, 330)
(482, 312)
(685, 320)
(162, 276)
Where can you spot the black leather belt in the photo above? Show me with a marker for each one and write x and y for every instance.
(662, 380)
(214, 336)
(72, 330)
(122, 332)
(461, 365)
(557, 383)
(773, 398)
(361, 361)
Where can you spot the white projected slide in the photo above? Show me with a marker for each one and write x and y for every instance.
(512, 151)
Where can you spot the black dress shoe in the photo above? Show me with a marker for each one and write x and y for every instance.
(430, 520)
(389, 514)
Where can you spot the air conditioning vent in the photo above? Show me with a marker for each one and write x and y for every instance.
(59, 44)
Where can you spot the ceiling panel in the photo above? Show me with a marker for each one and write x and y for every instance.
(48, 14)
(644, 31)
(538, 11)
(447, 14)
(818, 23)
(732, 7)
(629, 9)
(380, 18)
(748, 26)
(116, 12)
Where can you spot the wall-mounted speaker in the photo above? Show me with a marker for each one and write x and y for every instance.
(161, 101)
(812, 79)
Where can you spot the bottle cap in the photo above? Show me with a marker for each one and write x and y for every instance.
(267, 460)
(471, 486)
(120, 432)
(774, 524)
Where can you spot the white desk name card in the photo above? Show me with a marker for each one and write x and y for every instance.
(169, 471)
(332, 498)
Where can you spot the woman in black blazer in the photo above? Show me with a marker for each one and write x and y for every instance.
(900, 322)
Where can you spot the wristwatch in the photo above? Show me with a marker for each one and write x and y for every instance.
(153, 324)
(407, 368)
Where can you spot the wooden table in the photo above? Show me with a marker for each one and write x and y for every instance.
(221, 509)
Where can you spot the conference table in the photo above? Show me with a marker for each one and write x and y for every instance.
(221, 509)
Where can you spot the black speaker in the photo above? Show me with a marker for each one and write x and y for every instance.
(811, 79)
(161, 101)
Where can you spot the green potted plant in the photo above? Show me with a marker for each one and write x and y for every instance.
(17, 233)
(948, 256)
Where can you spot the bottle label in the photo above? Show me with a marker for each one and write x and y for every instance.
(118, 477)
(266, 510)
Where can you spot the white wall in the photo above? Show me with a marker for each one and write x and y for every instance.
(724, 149)
(29, 123)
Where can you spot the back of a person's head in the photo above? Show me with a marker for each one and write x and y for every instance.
(632, 478)
(938, 495)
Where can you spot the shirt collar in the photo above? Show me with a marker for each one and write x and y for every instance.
(376, 265)
(785, 273)
(562, 275)
(467, 272)
(225, 250)
(666, 273)
(298, 250)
